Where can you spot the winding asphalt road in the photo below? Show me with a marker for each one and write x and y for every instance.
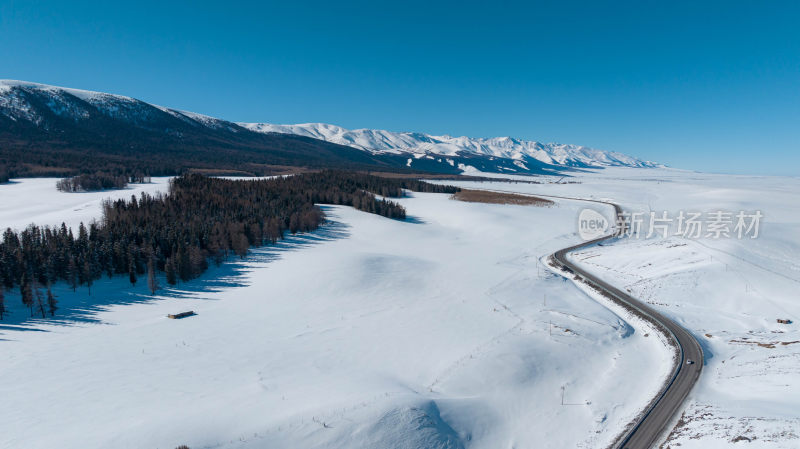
(651, 424)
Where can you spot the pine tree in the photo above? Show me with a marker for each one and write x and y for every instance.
(240, 245)
(184, 264)
(152, 281)
(132, 270)
(198, 261)
(83, 239)
(87, 275)
(25, 292)
(72, 274)
(170, 271)
(52, 304)
(3, 309)
(40, 299)
(95, 269)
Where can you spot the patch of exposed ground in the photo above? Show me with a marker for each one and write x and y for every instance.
(483, 196)
(708, 422)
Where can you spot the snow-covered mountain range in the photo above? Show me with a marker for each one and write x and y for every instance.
(64, 124)
(18, 103)
(48, 130)
(419, 144)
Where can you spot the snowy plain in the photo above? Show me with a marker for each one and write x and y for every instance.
(442, 331)
(728, 292)
(36, 200)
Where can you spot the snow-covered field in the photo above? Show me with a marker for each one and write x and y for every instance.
(36, 200)
(444, 331)
(728, 292)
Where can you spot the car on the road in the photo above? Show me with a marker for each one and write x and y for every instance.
(690, 362)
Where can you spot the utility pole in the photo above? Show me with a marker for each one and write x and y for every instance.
(562, 395)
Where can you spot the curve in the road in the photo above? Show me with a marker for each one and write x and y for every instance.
(645, 431)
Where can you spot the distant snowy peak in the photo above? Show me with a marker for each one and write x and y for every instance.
(22, 100)
(32, 111)
(380, 141)
(86, 95)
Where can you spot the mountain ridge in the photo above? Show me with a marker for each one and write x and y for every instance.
(50, 130)
(382, 141)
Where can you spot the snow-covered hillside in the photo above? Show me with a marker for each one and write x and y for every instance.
(80, 120)
(445, 331)
(728, 292)
(22, 100)
(380, 141)
(450, 333)
(71, 130)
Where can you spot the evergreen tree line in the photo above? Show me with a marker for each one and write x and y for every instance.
(98, 181)
(201, 219)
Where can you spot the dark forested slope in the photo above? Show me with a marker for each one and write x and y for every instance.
(54, 131)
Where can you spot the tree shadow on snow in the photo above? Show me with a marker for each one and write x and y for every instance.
(413, 219)
(76, 308)
(231, 273)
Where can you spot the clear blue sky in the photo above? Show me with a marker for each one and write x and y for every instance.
(705, 85)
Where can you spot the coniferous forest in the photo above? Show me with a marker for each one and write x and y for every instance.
(200, 219)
